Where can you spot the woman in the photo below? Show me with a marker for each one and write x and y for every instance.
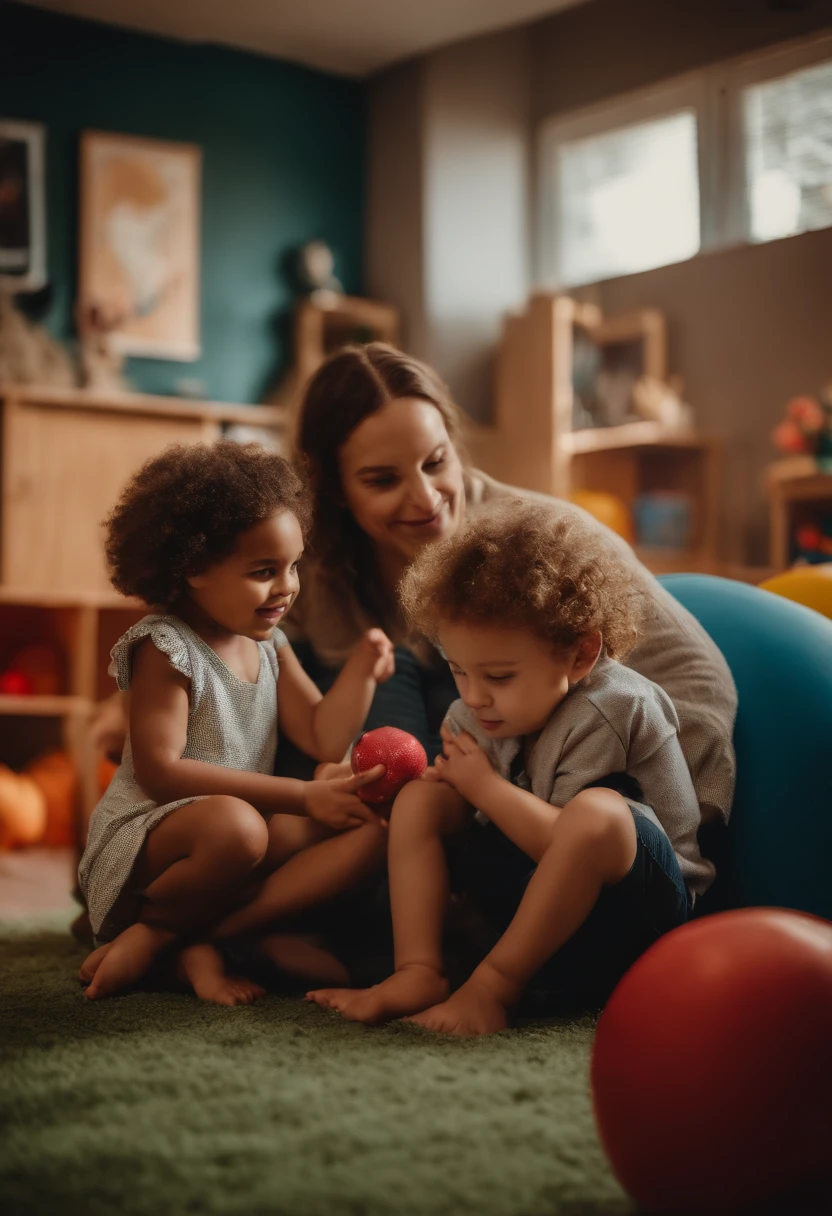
(379, 436)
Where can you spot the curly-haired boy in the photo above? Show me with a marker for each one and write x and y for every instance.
(562, 776)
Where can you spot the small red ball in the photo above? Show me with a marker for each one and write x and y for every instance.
(712, 1063)
(403, 756)
(15, 684)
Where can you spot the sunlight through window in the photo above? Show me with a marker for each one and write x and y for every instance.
(628, 199)
(788, 128)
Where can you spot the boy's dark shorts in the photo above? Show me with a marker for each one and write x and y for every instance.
(628, 917)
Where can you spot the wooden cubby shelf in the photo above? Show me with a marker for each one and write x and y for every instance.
(532, 443)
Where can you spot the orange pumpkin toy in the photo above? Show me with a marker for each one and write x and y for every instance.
(22, 810)
(55, 776)
(608, 509)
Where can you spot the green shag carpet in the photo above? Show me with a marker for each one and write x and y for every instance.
(155, 1104)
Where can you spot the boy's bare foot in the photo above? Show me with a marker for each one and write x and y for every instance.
(92, 962)
(128, 958)
(480, 1006)
(203, 968)
(407, 991)
(304, 959)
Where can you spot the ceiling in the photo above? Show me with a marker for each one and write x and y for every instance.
(350, 37)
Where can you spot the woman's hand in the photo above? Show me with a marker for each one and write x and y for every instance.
(464, 765)
(374, 651)
(334, 801)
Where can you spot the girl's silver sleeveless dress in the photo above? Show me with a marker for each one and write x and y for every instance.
(230, 723)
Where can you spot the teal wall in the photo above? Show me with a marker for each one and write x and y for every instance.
(282, 148)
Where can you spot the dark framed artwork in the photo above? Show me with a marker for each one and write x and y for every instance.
(22, 205)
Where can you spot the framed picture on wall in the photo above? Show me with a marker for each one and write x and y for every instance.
(140, 242)
(22, 205)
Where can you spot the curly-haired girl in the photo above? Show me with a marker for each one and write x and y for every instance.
(563, 765)
(209, 537)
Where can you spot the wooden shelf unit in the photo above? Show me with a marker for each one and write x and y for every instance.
(322, 323)
(532, 443)
(66, 454)
(797, 491)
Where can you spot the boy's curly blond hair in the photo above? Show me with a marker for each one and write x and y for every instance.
(526, 565)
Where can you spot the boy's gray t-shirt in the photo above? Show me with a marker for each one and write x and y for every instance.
(613, 721)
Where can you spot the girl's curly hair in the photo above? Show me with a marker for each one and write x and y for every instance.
(184, 509)
(525, 565)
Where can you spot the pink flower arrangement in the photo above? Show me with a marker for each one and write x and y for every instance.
(806, 429)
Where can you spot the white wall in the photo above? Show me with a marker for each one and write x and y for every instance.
(476, 191)
(394, 245)
(448, 203)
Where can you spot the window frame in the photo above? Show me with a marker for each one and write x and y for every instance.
(731, 79)
(715, 94)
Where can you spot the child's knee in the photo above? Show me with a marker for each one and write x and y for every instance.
(426, 806)
(374, 837)
(238, 833)
(602, 820)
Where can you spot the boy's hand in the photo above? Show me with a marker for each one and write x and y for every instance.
(465, 765)
(375, 651)
(334, 801)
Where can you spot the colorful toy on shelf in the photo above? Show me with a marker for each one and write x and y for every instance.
(55, 776)
(33, 671)
(664, 520)
(15, 683)
(607, 508)
(807, 585)
(22, 810)
(43, 667)
(812, 540)
(807, 429)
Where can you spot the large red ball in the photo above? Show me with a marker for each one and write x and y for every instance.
(401, 753)
(712, 1064)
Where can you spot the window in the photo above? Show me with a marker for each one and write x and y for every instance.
(788, 141)
(628, 200)
(738, 152)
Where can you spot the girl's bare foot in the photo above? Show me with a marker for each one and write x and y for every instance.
(409, 990)
(92, 962)
(203, 968)
(128, 958)
(81, 929)
(304, 959)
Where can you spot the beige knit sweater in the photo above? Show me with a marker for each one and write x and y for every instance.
(676, 652)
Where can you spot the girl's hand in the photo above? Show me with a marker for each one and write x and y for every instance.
(329, 769)
(376, 651)
(334, 801)
(465, 765)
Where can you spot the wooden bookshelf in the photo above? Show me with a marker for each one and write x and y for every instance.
(532, 443)
(797, 492)
(321, 324)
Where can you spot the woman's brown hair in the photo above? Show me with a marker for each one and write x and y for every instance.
(352, 384)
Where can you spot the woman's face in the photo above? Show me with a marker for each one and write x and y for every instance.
(401, 477)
